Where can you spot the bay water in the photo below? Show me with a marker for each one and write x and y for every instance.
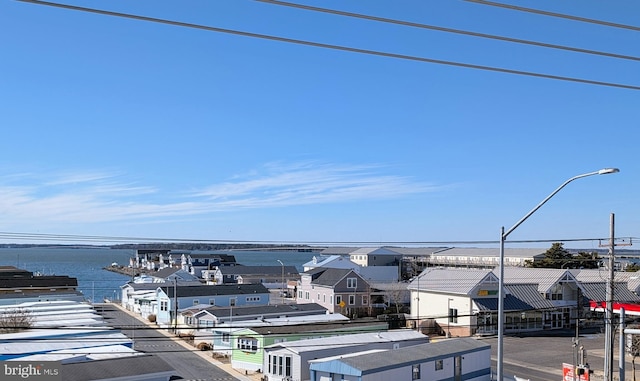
(87, 264)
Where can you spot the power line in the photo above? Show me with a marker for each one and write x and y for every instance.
(339, 47)
(553, 14)
(449, 30)
(152, 240)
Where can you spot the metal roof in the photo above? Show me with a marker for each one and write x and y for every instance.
(265, 311)
(135, 367)
(216, 290)
(371, 362)
(453, 280)
(597, 292)
(529, 294)
(350, 339)
(490, 252)
(511, 303)
(544, 278)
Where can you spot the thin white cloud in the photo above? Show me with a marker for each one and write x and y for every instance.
(100, 197)
(310, 184)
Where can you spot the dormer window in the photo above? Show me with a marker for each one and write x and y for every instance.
(352, 282)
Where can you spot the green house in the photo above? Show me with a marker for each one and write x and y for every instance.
(248, 343)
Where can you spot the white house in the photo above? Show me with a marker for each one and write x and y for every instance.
(375, 256)
(172, 298)
(454, 359)
(291, 359)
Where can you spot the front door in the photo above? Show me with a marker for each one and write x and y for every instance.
(556, 320)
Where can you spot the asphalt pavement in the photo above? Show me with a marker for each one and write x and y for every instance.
(540, 356)
(188, 362)
(535, 357)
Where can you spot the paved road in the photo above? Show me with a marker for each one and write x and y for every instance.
(189, 365)
(540, 358)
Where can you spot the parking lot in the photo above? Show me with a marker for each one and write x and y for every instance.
(540, 357)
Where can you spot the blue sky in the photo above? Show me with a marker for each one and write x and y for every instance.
(121, 127)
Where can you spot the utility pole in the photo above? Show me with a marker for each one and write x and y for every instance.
(609, 333)
(608, 316)
(621, 346)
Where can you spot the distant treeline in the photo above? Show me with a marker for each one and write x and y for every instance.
(161, 246)
(200, 246)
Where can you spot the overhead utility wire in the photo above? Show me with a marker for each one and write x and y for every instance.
(560, 15)
(449, 30)
(338, 47)
(70, 237)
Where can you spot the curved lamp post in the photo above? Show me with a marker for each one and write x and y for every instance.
(503, 236)
(282, 281)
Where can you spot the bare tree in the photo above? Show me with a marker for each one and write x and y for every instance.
(396, 295)
(633, 348)
(15, 320)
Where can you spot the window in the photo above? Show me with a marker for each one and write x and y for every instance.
(280, 365)
(300, 294)
(338, 299)
(212, 302)
(556, 292)
(439, 365)
(415, 372)
(365, 300)
(252, 299)
(225, 337)
(164, 305)
(232, 302)
(196, 302)
(352, 282)
(306, 295)
(247, 344)
(453, 315)
(352, 300)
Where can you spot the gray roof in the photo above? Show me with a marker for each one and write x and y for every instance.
(529, 294)
(329, 276)
(338, 250)
(351, 339)
(453, 280)
(116, 368)
(545, 278)
(511, 303)
(165, 272)
(597, 292)
(278, 310)
(415, 251)
(371, 362)
(259, 270)
(334, 261)
(491, 252)
(360, 326)
(222, 289)
(374, 251)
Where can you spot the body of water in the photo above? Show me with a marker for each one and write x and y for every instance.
(87, 264)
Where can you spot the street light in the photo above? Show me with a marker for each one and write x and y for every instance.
(282, 281)
(503, 236)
